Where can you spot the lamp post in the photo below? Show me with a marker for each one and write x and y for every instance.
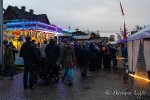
(1, 33)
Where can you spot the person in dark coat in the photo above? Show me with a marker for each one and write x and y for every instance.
(67, 57)
(77, 49)
(52, 52)
(83, 59)
(8, 61)
(109, 56)
(37, 63)
(14, 50)
(30, 56)
(113, 57)
(100, 58)
(93, 57)
(105, 52)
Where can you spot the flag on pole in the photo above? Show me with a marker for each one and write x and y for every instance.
(125, 31)
(121, 9)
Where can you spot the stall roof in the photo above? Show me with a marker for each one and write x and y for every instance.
(77, 33)
(143, 33)
(34, 25)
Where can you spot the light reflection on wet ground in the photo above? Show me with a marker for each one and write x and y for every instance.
(94, 87)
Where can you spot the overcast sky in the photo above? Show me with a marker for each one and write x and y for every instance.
(102, 15)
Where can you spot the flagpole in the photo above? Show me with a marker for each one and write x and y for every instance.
(125, 36)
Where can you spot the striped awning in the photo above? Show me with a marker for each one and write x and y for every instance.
(143, 33)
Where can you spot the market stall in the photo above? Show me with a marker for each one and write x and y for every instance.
(135, 41)
(17, 30)
(139, 55)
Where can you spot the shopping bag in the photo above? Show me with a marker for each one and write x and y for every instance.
(70, 73)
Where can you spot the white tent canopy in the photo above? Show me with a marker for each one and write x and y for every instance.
(143, 33)
(134, 46)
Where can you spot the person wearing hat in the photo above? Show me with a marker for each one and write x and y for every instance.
(30, 56)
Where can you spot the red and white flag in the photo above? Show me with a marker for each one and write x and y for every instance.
(121, 9)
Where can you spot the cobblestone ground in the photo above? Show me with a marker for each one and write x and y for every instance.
(99, 85)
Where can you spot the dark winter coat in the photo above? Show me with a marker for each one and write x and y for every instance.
(113, 52)
(93, 52)
(52, 52)
(29, 53)
(8, 56)
(83, 57)
(67, 56)
(14, 52)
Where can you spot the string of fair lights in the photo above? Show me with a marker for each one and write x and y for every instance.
(35, 25)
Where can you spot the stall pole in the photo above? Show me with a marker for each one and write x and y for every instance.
(1, 34)
(57, 39)
(132, 80)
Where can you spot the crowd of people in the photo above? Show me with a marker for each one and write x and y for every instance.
(39, 59)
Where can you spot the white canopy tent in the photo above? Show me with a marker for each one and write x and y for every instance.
(143, 33)
(142, 36)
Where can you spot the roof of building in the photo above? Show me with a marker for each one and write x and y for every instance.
(79, 33)
(27, 15)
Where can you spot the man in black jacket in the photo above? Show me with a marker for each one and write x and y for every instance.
(29, 54)
(113, 57)
(83, 58)
(52, 52)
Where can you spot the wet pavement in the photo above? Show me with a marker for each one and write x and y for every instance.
(99, 85)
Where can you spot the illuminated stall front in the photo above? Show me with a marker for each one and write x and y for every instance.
(17, 30)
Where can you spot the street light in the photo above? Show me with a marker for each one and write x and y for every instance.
(1, 33)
